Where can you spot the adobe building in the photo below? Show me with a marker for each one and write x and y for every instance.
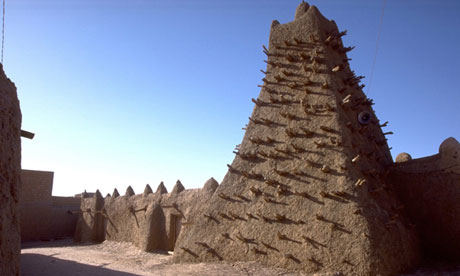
(306, 190)
(151, 221)
(429, 189)
(10, 176)
(43, 216)
(313, 186)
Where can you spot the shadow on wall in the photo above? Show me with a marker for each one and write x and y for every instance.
(37, 265)
(90, 224)
(150, 221)
(429, 189)
(43, 216)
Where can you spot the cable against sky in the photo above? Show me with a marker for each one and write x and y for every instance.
(3, 29)
(376, 47)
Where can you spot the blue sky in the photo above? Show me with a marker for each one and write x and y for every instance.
(126, 92)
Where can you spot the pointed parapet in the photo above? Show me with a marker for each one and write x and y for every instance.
(97, 195)
(302, 8)
(148, 190)
(108, 195)
(177, 188)
(155, 237)
(129, 192)
(210, 186)
(115, 193)
(274, 24)
(161, 189)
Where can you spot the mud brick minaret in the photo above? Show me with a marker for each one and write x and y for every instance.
(305, 190)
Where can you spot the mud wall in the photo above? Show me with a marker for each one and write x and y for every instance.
(90, 223)
(43, 216)
(35, 204)
(429, 189)
(37, 186)
(133, 219)
(63, 221)
(10, 176)
(151, 221)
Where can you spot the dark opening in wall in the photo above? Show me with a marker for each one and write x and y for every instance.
(175, 226)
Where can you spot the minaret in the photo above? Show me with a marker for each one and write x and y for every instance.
(305, 189)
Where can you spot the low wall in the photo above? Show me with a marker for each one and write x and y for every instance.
(151, 221)
(429, 189)
(137, 219)
(42, 216)
(36, 186)
(63, 221)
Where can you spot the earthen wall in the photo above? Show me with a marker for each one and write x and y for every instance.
(429, 189)
(151, 221)
(10, 176)
(43, 216)
(37, 186)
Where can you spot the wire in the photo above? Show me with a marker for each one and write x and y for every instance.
(376, 47)
(3, 29)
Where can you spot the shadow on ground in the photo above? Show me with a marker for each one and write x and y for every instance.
(38, 265)
(64, 242)
(435, 267)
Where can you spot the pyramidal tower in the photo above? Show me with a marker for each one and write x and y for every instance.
(305, 189)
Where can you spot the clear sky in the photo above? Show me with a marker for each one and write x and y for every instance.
(125, 92)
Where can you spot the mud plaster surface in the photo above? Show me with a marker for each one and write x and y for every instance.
(120, 258)
(10, 169)
(293, 196)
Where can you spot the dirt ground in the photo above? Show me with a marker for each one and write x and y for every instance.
(63, 257)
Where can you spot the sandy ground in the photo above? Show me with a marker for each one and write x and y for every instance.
(63, 257)
(121, 259)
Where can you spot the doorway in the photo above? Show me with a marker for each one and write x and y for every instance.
(175, 227)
